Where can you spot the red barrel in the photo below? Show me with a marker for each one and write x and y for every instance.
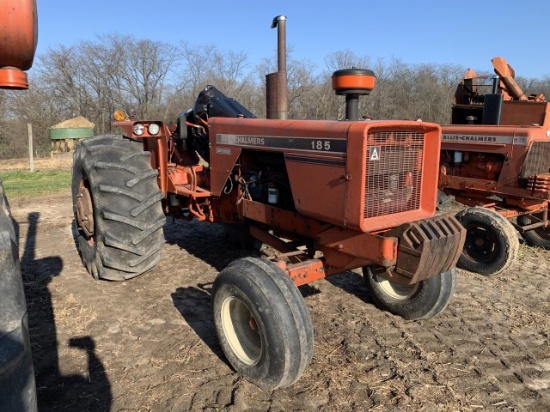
(18, 39)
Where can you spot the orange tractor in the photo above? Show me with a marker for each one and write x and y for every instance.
(495, 158)
(328, 196)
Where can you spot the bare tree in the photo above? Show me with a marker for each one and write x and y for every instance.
(158, 80)
(145, 67)
(346, 59)
(197, 60)
(60, 74)
(33, 106)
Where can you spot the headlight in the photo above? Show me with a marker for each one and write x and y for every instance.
(153, 129)
(139, 129)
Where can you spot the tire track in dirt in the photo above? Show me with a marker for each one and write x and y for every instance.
(488, 351)
(502, 354)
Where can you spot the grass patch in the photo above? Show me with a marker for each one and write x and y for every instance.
(22, 184)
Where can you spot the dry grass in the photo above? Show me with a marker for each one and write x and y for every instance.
(62, 161)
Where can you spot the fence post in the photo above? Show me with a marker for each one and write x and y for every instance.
(31, 159)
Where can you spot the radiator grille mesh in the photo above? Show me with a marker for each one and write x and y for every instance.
(394, 172)
(537, 160)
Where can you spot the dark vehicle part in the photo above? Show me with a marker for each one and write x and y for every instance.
(422, 300)
(18, 40)
(210, 103)
(17, 387)
(491, 243)
(118, 214)
(262, 323)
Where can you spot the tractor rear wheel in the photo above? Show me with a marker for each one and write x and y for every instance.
(117, 208)
(17, 382)
(262, 323)
(491, 244)
(422, 300)
(535, 237)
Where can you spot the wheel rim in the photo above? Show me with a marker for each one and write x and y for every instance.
(481, 244)
(241, 330)
(85, 209)
(395, 290)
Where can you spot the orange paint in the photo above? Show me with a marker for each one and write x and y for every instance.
(18, 40)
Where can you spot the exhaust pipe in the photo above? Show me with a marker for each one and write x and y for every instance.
(276, 83)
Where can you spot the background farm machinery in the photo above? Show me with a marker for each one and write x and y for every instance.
(495, 158)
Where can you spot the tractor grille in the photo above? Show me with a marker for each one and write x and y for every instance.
(537, 160)
(394, 172)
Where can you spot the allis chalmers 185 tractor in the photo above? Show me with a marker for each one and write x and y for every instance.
(495, 158)
(328, 196)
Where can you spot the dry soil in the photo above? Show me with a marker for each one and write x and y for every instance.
(149, 344)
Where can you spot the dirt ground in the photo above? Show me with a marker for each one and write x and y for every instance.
(149, 344)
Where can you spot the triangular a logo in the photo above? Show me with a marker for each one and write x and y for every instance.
(374, 153)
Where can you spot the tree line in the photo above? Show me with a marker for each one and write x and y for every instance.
(158, 80)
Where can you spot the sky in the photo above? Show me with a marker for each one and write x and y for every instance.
(435, 32)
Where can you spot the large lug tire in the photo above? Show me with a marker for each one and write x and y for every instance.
(262, 323)
(422, 300)
(491, 244)
(535, 237)
(17, 384)
(117, 207)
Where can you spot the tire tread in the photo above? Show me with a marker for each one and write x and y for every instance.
(127, 206)
(504, 230)
(285, 304)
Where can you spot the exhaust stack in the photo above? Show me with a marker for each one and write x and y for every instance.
(276, 83)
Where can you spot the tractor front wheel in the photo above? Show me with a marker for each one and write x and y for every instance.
(491, 244)
(423, 300)
(117, 208)
(262, 323)
(535, 237)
